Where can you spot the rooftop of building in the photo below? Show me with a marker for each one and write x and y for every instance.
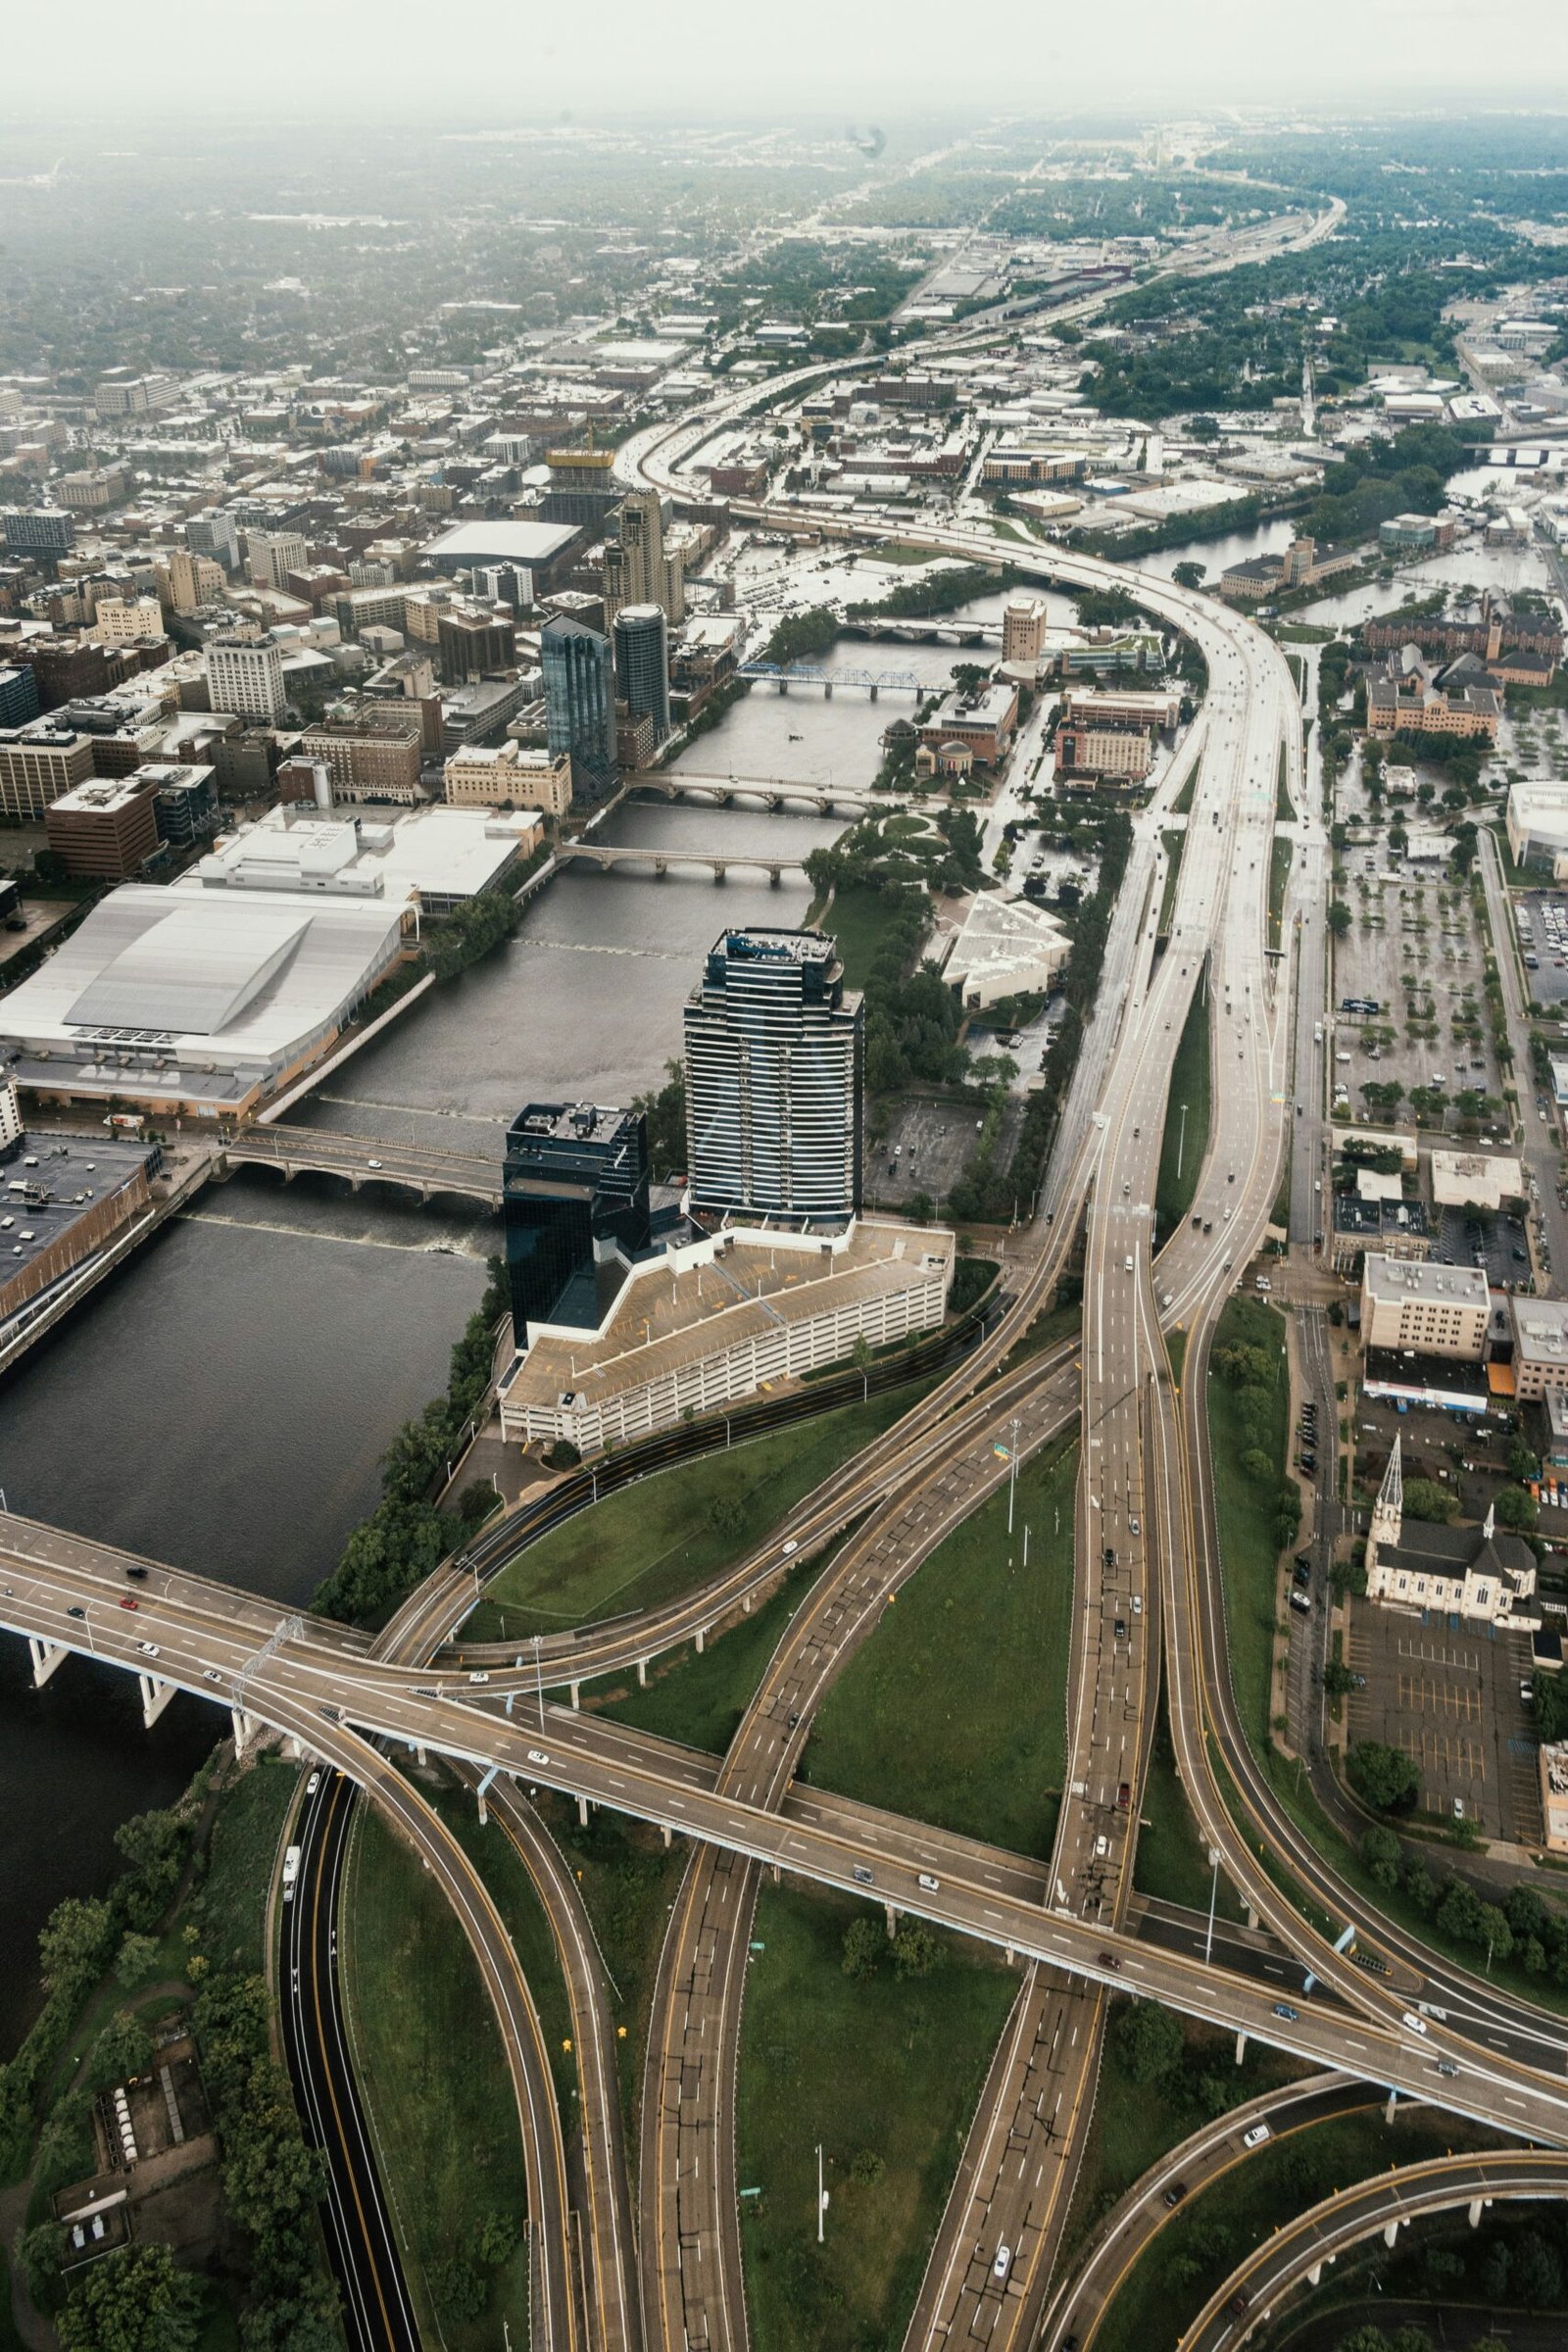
(100, 797)
(500, 542)
(1390, 1281)
(665, 1321)
(74, 1173)
(758, 945)
(1541, 1328)
(568, 1122)
(430, 852)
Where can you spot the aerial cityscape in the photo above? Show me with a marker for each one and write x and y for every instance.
(694, 720)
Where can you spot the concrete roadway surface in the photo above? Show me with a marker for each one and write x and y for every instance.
(307, 1695)
(1299, 2250)
(1082, 2299)
(377, 2309)
(692, 2270)
(1539, 1144)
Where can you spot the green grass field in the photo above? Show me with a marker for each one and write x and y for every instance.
(511, 1890)
(1218, 2224)
(628, 1881)
(1245, 1509)
(1172, 1859)
(699, 1696)
(1279, 873)
(656, 1539)
(1182, 804)
(246, 1830)
(885, 2075)
(1175, 840)
(860, 921)
(434, 2080)
(954, 1709)
(1189, 1084)
(1284, 806)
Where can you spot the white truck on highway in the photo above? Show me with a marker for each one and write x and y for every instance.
(291, 1872)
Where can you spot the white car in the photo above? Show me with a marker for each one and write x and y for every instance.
(1002, 2263)
(1256, 2136)
(536, 1755)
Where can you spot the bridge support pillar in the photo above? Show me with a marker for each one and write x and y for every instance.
(1315, 2274)
(777, 1868)
(155, 1698)
(582, 1812)
(642, 1674)
(1391, 2233)
(1475, 2209)
(701, 1639)
(670, 1836)
(484, 1812)
(827, 690)
(718, 869)
(1241, 2046)
(1388, 2110)
(783, 685)
(1252, 1920)
(774, 875)
(874, 693)
(893, 1922)
(46, 1656)
(577, 1693)
(419, 1754)
(243, 1727)
(660, 867)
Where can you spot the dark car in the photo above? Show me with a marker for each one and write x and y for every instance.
(75, 1612)
(138, 1571)
(1240, 2301)
(1108, 1960)
(1176, 2191)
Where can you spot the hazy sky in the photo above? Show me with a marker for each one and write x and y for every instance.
(515, 59)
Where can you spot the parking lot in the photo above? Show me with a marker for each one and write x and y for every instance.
(1412, 947)
(925, 1151)
(1446, 1694)
(1540, 918)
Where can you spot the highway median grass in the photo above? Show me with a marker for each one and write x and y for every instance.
(885, 2074)
(231, 1904)
(1279, 873)
(1171, 1862)
(1250, 1434)
(435, 2083)
(954, 1708)
(1218, 2224)
(1175, 840)
(1186, 1139)
(699, 1696)
(669, 1532)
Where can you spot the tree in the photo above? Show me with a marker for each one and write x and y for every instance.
(138, 1961)
(1149, 2041)
(727, 1513)
(1338, 918)
(862, 1356)
(1383, 1855)
(1425, 1499)
(1383, 1777)
(1189, 575)
(153, 1845)
(916, 1949)
(134, 2300)
(495, 2238)
(1339, 1682)
(863, 1946)
(70, 1943)
(123, 2048)
(1516, 1509)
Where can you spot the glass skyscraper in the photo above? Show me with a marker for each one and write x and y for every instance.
(580, 702)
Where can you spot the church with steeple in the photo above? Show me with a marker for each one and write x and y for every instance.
(1465, 1571)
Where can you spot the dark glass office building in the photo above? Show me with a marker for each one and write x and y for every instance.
(575, 1208)
(641, 636)
(580, 702)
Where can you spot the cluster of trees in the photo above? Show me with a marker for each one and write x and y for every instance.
(932, 593)
(405, 1537)
(1153, 2051)
(665, 1109)
(1372, 482)
(79, 1941)
(1522, 1929)
(459, 2282)
(802, 636)
(271, 2181)
(1254, 1375)
(914, 1952)
(134, 2300)
(471, 931)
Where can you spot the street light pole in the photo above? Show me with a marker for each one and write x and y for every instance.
(1012, 1471)
(1181, 1143)
(1213, 1896)
(822, 2200)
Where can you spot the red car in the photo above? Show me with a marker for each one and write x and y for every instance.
(126, 1602)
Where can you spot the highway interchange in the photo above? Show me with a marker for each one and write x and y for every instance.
(1147, 1591)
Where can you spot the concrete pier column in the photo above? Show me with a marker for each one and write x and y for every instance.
(242, 1730)
(577, 1693)
(669, 1836)
(1241, 2046)
(46, 1656)
(777, 1869)
(875, 691)
(1388, 2110)
(582, 1812)
(1252, 1920)
(155, 1698)
(893, 1920)
(419, 1750)
(827, 690)
(701, 1639)
(1314, 2274)
(1474, 2210)
(1391, 2233)
(642, 1674)
(484, 1812)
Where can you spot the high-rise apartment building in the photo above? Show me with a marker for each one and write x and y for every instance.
(637, 570)
(580, 702)
(641, 638)
(774, 1053)
(274, 554)
(574, 1202)
(474, 639)
(245, 675)
(39, 530)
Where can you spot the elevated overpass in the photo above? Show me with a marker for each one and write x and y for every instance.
(364, 1159)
